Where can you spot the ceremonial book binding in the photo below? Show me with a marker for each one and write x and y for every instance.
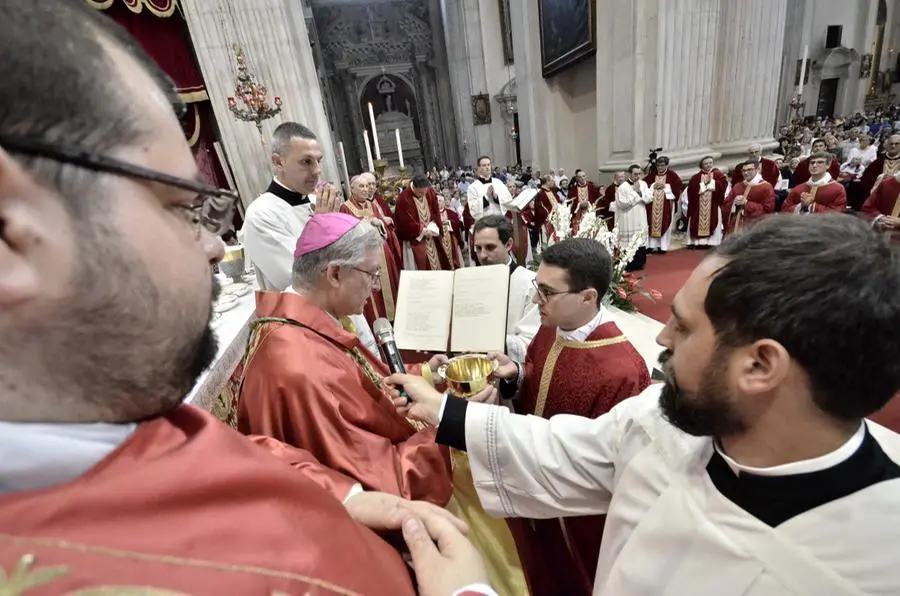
(463, 309)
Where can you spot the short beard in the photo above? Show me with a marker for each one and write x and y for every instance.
(707, 413)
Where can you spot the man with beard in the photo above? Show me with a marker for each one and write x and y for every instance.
(107, 235)
(752, 470)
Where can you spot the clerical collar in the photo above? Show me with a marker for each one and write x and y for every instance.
(35, 456)
(806, 466)
(511, 263)
(291, 197)
(583, 332)
(825, 179)
(484, 180)
(803, 486)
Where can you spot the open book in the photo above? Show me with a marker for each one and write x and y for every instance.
(523, 199)
(465, 309)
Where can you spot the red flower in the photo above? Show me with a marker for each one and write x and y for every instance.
(655, 294)
(633, 282)
(621, 293)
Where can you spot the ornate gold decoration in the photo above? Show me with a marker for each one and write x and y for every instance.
(704, 209)
(388, 187)
(424, 211)
(659, 204)
(24, 579)
(158, 8)
(256, 108)
(550, 364)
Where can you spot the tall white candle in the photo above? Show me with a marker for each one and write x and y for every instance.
(344, 166)
(802, 70)
(368, 151)
(374, 132)
(399, 146)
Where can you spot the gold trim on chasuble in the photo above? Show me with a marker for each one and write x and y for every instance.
(656, 211)
(447, 240)
(424, 212)
(704, 210)
(895, 212)
(738, 217)
(891, 167)
(582, 193)
(23, 579)
(550, 363)
(383, 278)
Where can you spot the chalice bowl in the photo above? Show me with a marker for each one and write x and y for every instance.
(232, 266)
(468, 375)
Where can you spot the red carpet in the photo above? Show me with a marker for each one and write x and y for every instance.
(666, 273)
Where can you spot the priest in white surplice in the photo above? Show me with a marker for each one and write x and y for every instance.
(752, 470)
(274, 220)
(632, 197)
(493, 245)
(487, 195)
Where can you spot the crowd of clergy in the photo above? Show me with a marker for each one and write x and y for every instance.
(749, 467)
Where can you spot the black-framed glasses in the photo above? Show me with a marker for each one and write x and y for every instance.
(212, 211)
(547, 294)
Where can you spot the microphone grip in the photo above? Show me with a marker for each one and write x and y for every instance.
(394, 361)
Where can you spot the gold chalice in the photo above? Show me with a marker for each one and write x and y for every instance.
(468, 375)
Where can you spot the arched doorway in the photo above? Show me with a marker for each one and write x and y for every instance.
(396, 108)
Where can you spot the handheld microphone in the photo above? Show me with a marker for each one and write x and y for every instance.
(384, 336)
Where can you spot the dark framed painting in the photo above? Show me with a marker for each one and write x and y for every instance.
(506, 31)
(568, 30)
(481, 109)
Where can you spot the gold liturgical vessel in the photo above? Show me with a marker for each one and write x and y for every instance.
(468, 375)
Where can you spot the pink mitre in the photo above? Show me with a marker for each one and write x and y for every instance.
(323, 229)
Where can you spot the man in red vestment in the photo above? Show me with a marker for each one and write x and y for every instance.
(765, 167)
(419, 227)
(885, 165)
(666, 186)
(883, 207)
(583, 196)
(452, 240)
(541, 208)
(309, 382)
(705, 196)
(604, 205)
(107, 479)
(748, 200)
(383, 299)
(820, 193)
(578, 363)
(802, 172)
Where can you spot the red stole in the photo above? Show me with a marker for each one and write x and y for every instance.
(826, 197)
(587, 379)
(381, 302)
(760, 201)
(703, 210)
(188, 506)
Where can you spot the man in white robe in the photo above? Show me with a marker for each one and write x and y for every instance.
(274, 220)
(493, 246)
(632, 196)
(487, 195)
(752, 470)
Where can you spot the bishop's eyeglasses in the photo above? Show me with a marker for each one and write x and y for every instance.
(212, 209)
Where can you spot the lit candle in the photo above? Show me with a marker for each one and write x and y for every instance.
(374, 132)
(399, 146)
(368, 151)
(344, 166)
(803, 70)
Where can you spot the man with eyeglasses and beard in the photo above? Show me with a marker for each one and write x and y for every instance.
(752, 470)
(107, 237)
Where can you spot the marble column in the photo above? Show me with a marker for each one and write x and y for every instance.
(269, 31)
(746, 84)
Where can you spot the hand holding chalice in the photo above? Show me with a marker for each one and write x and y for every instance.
(470, 374)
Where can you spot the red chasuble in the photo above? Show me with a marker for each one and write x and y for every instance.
(411, 215)
(884, 200)
(703, 209)
(827, 198)
(577, 196)
(543, 205)
(882, 165)
(188, 506)
(801, 174)
(586, 378)
(768, 169)
(760, 201)
(659, 212)
(385, 207)
(313, 385)
(381, 302)
(604, 206)
(452, 239)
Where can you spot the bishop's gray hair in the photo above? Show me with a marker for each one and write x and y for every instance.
(350, 250)
(281, 138)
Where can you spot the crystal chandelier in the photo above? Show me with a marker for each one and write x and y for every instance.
(250, 103)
